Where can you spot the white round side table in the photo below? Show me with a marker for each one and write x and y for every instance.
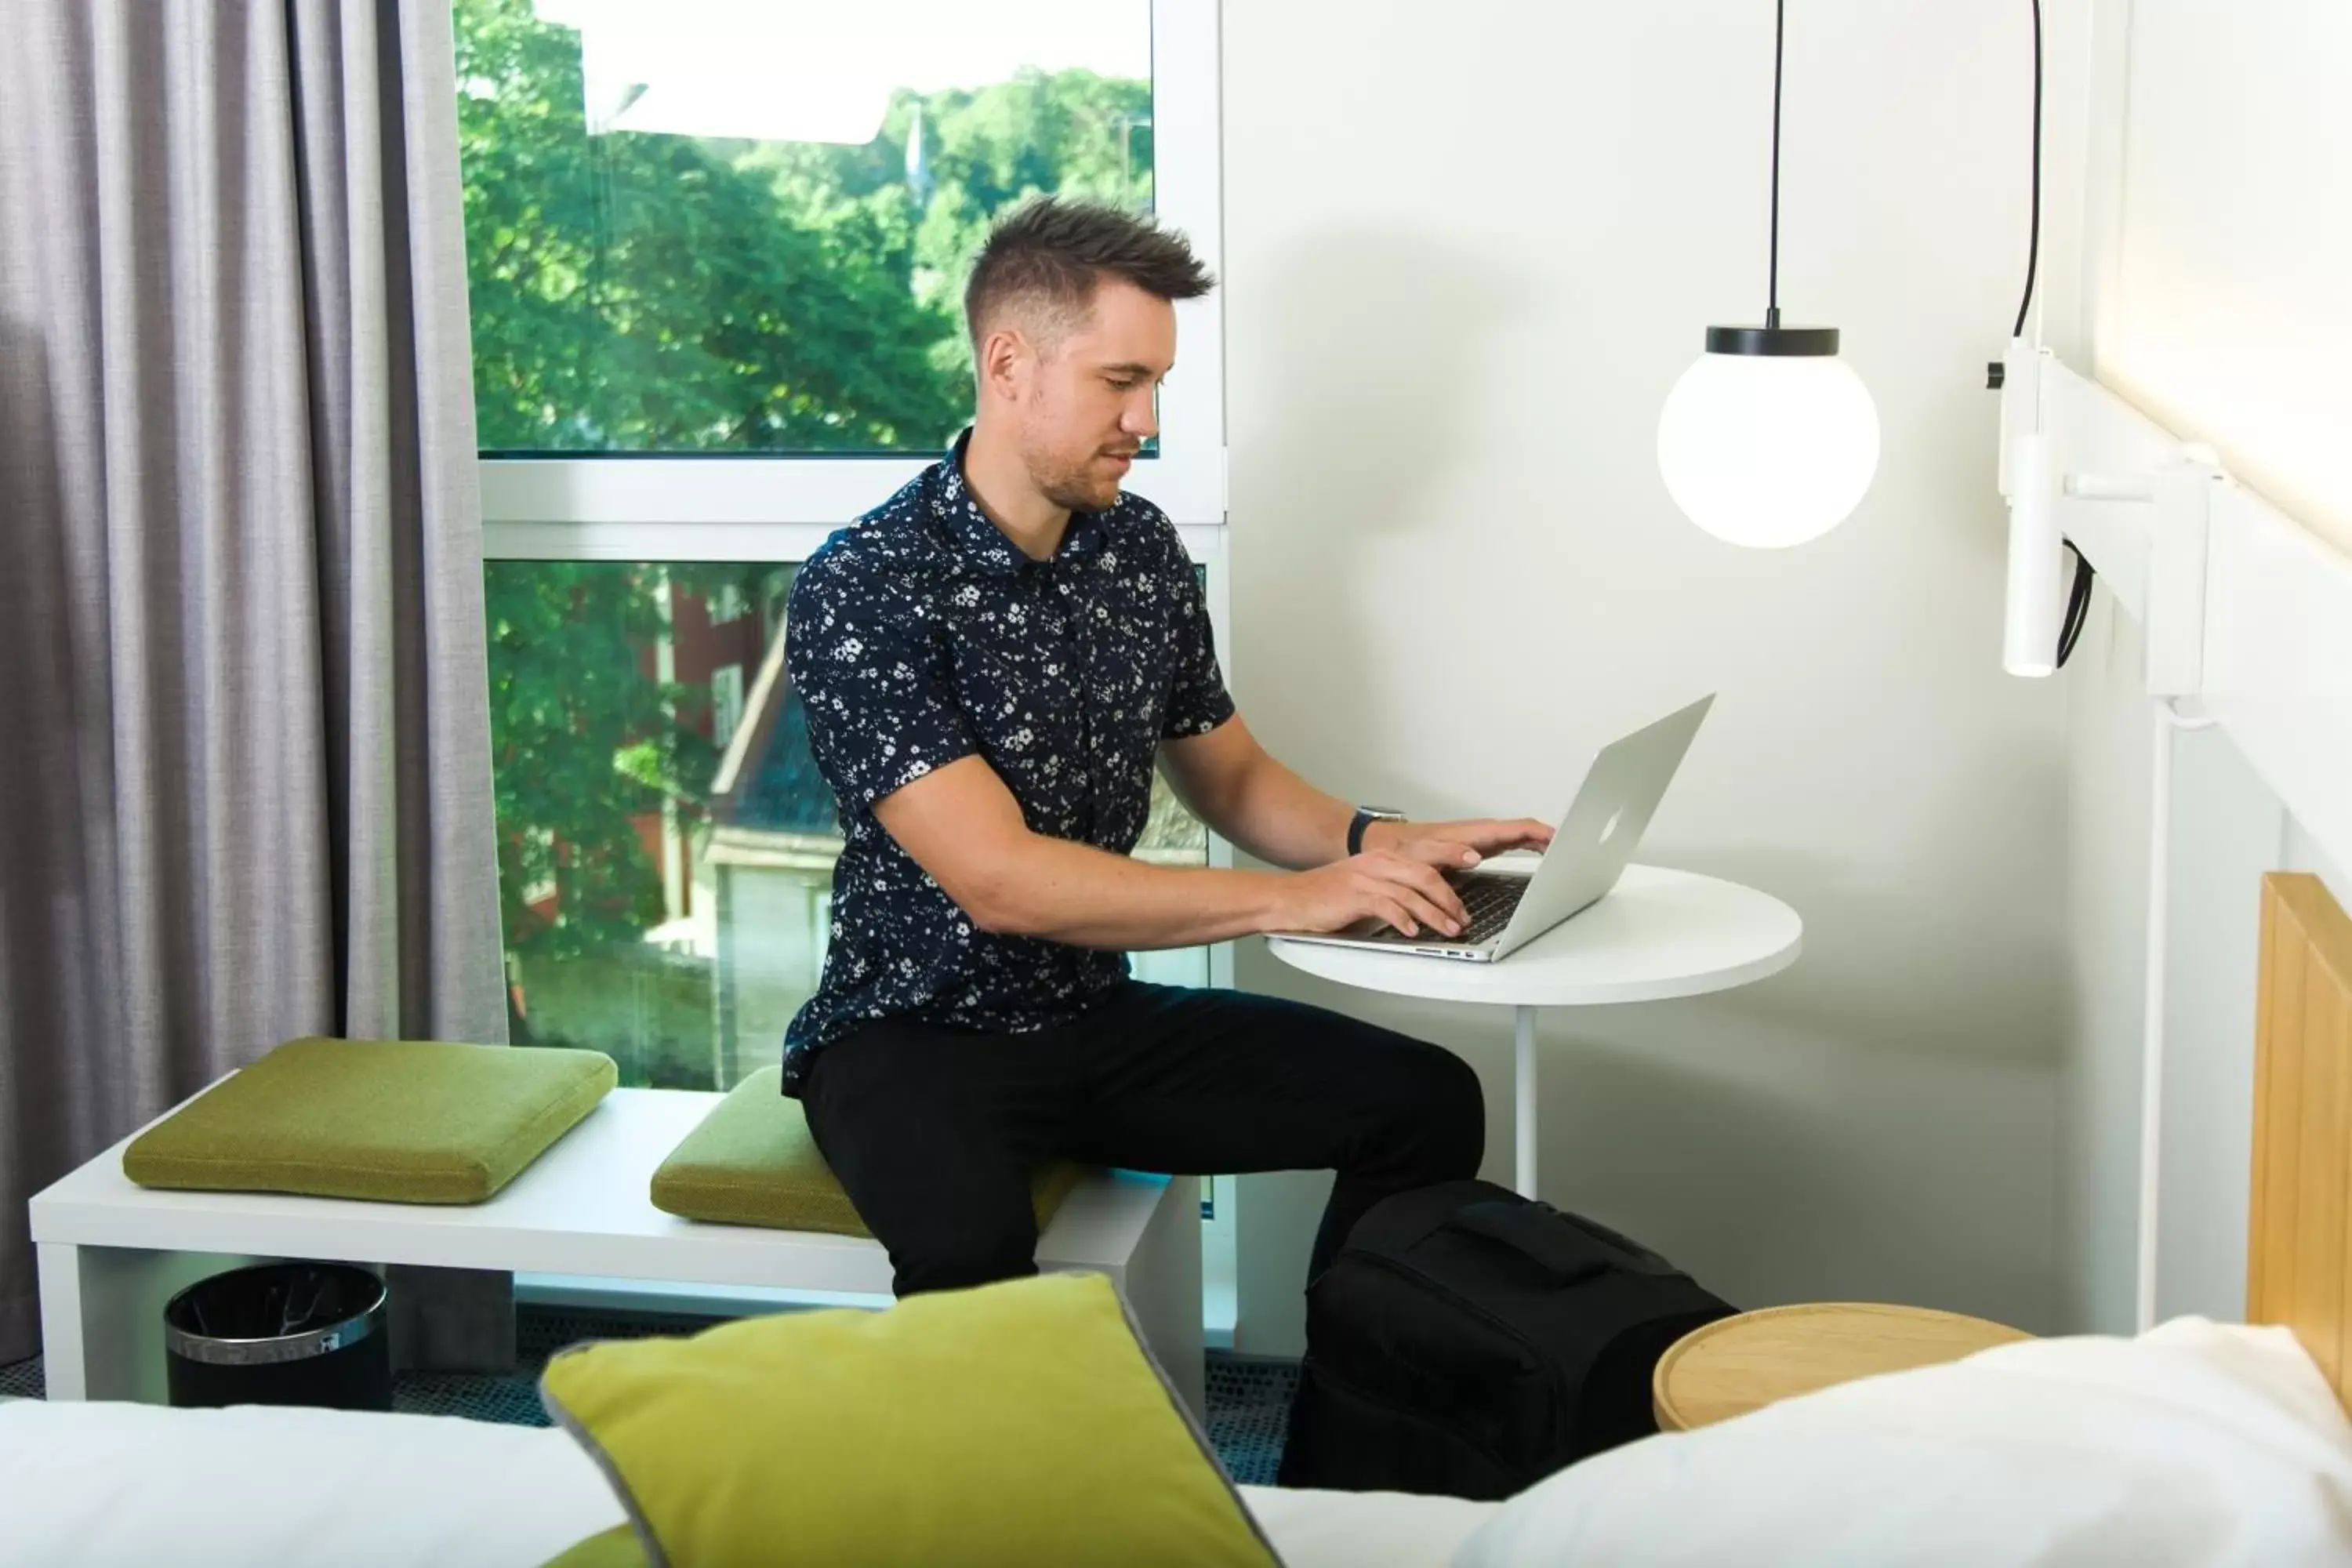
(1660, 935)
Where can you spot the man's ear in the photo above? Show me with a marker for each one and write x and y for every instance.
(1003, 362)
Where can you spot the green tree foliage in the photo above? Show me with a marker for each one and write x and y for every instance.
(586, 743)
(644, 293)
(569, 694)
(1072, 132)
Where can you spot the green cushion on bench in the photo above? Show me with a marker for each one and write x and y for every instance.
(413, 1122)
(754, 1161)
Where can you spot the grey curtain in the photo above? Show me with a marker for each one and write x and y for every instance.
(245, 788)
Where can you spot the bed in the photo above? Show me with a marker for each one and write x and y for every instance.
(2196, 1444)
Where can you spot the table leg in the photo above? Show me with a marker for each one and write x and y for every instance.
(102, 1316)
(1523, 1145)
(63, 1373)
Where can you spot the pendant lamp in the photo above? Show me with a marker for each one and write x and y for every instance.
(1768, 440)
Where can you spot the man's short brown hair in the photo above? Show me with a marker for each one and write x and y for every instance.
(1057, 253)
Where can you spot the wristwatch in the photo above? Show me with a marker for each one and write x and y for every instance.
(1365, 816)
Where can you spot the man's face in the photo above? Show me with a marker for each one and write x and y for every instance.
(1086, 402)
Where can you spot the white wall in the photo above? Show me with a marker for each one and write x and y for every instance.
(2227, 828)
(1468, 249)
(2211, 297)
(2221, 305)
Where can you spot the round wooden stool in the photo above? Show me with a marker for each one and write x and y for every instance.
(1738, 1364)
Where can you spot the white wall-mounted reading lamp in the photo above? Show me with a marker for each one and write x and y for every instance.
(1768, 440)
(2152, 521)
(2150, 518)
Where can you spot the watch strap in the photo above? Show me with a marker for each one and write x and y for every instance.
(1365, 816)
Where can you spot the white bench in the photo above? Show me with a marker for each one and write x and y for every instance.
(111, 1252)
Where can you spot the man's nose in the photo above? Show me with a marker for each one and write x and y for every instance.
(1140, 418)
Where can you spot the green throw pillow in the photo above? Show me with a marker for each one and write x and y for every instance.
(754, 1161)
(1017, 1424)
(614, 1548)
(414, 1121)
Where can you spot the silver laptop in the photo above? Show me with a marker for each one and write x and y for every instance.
(1591, 850)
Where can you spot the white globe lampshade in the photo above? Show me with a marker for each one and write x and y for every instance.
(1766, 449)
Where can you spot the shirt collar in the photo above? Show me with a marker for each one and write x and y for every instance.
(980, 541)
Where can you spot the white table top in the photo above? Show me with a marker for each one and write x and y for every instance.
(1661, 934)
(582, 1207)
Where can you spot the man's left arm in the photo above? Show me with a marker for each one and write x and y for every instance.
(1238, 788)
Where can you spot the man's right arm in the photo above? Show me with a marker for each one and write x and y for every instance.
(891, 739)
(961, 825)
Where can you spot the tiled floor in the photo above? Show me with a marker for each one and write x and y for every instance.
(1249, 1399)
(1249, 1413)
(21, 1380)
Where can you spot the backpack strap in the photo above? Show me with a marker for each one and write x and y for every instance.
(1568, 1248)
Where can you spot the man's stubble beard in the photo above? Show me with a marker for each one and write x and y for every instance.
(1072, 489)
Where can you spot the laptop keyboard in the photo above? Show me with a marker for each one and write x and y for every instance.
(1490, 900)
(1488, 896)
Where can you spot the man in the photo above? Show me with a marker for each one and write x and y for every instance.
(990, 663)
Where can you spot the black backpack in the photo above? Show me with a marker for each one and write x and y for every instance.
(1469, 1342)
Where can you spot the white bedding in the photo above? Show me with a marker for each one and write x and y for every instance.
(111, 1486)
(2192, 1446)
(1364, 1530)
(2196, 1444)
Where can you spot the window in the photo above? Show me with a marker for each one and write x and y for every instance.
(738, 230)
(743, 225)
(715, 250)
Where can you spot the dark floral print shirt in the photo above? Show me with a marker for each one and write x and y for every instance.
(919, 635)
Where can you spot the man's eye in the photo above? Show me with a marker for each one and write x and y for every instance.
(1127, 384)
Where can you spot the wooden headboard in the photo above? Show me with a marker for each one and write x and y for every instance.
(2299, 1239)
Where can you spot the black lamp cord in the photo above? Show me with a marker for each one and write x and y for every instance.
(1773, 286)
(2034, 240)
(2078, 594)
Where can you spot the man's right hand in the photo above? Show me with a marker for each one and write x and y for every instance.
(1398, 888)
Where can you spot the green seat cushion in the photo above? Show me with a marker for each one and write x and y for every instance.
(411, 1121)
(752, 1160)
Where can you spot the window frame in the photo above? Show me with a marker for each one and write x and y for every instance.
(699, 507)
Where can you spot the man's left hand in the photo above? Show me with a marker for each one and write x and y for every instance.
(1458, 845)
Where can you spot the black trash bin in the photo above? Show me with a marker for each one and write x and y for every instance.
(281, 1333)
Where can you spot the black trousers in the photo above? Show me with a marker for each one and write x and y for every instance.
(935, 1131)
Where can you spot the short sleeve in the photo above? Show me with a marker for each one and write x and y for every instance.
(1197, 699)
(881, 713)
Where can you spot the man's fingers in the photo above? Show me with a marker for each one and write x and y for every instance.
(1432, 915)
(1425, 881)
(1438, 851)
(1525, 833)
(1450, 853)
(1440, 892)
(1394, 913)
(1401, 892)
